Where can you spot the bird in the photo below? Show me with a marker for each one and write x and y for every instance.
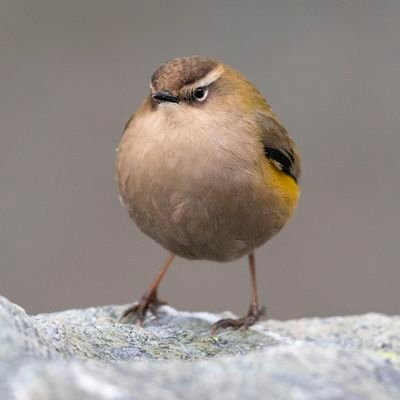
(206, 169)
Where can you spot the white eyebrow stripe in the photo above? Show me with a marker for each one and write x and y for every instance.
(211, 77)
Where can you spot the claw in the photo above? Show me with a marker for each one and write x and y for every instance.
(254, 314)
(130, 310)
(148, 303)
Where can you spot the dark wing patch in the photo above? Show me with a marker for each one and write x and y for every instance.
(281, 159)
(277, 145)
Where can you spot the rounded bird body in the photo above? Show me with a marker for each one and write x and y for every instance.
(204, 167)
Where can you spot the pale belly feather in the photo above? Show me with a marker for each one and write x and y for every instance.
(196, 197)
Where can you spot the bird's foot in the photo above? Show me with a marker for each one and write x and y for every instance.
(148, 303)
(254, 314)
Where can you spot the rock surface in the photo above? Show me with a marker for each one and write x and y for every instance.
(85, 354)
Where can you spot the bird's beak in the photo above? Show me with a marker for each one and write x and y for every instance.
(164, 95)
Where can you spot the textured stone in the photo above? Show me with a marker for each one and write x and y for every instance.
(85, 354)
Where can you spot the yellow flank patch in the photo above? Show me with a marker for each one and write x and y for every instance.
(283, 185)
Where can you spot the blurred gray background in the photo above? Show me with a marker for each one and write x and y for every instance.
(72, 72)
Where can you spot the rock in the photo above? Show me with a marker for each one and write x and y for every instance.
(85, 354)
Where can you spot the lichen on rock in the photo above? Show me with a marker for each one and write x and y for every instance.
(86, 354)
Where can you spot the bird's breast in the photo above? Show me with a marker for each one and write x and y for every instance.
(196, 188)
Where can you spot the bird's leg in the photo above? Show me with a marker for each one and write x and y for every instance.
(149, 301)
(255, 311)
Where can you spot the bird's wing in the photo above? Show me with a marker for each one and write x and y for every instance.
(279, 148)
(128, 122)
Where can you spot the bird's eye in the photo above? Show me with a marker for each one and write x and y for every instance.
(200, 94)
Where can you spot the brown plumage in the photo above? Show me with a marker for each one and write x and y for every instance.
(205, 168)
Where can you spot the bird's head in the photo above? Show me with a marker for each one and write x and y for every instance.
(186, 80)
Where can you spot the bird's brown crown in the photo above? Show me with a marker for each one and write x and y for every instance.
(179, 72)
